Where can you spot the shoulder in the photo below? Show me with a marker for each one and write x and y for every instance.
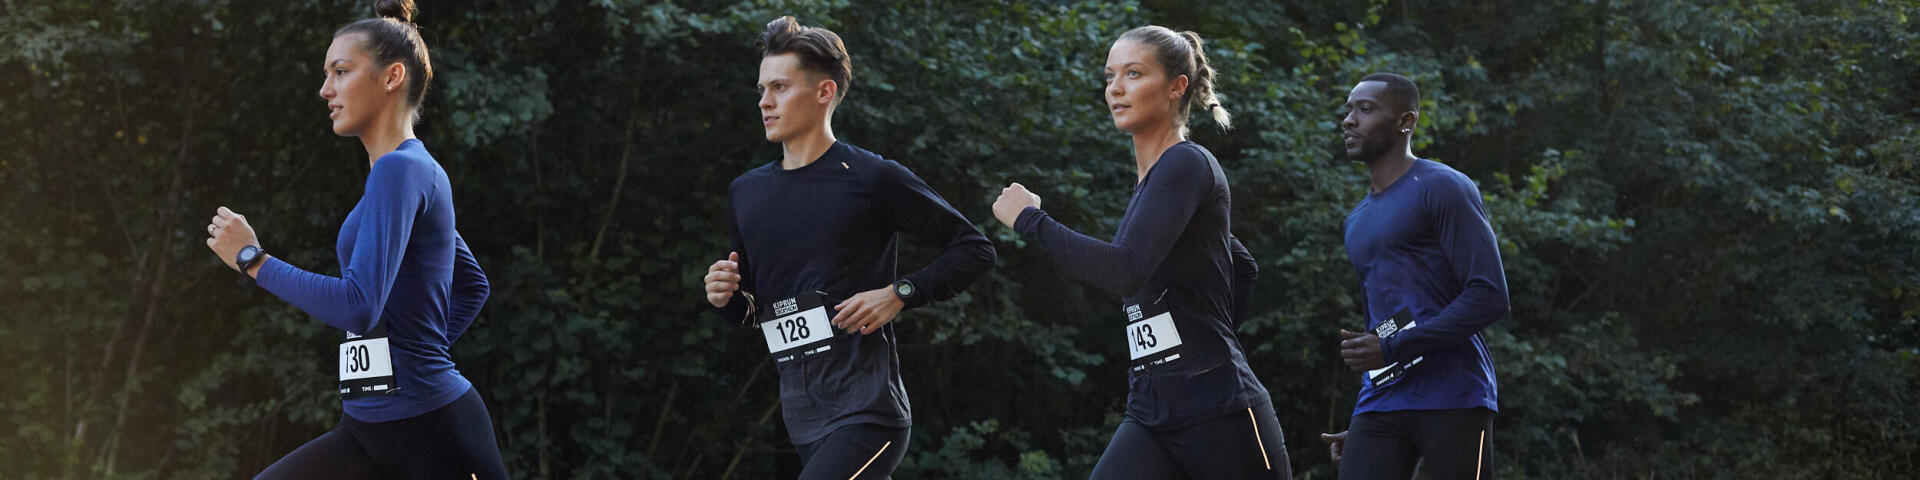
(1185, 162)
(755, 174)
(872, 167)
(409, 165)
(1444, 185)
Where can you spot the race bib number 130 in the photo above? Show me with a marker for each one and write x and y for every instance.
(366, 365)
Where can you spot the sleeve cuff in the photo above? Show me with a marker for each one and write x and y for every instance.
(1028, 223)
(269, 273)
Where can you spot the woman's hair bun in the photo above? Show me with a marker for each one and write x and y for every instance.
(401, 10)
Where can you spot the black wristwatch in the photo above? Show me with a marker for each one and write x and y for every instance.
(905, 290)
(248, 256)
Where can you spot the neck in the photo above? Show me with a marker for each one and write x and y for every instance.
(1149, 145)
(385, 138)
(804, 149)
(1388, 168)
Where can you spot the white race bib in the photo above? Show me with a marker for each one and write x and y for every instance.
(366, 365)
(1152, 338)
(800, 327)
(1393, 372)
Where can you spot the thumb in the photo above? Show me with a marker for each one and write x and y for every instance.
(1327, 437)
(1346, 334)
(733, 257)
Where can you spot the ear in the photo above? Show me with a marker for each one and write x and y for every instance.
(828, 91)
(1178, 88)
(395, 76)
(1409, 120)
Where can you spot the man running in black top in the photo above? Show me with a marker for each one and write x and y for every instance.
(813, 262)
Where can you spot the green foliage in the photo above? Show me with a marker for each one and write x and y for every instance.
(1707, 211)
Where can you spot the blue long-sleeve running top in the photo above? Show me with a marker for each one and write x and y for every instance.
(1423, 245)
(402, 264)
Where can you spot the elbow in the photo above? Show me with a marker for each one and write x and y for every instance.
(1246, 271)
(480, 293)
(360, 320)
(1129, 283)
(988, 256)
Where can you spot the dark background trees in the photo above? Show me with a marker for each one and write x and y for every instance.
(1706, 209)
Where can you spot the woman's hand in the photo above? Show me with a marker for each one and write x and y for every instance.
(227, 233)
(1013, 200)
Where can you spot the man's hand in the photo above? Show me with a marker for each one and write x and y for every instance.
(227, 233)
(867, 311)
(1336, 445)
(723, 278)
(1361, 351)
(1013, 199)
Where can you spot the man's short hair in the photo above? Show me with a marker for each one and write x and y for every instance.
(1404, 93)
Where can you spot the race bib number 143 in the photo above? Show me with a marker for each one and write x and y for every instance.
(1152, 338)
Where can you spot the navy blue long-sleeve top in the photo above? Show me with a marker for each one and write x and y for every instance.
(832, 226)
(1174, 240)
(402, 264)
(1423, 244)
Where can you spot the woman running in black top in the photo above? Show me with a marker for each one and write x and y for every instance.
(1194, 408)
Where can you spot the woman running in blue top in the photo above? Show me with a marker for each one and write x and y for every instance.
(408, 286)
(1194, 408)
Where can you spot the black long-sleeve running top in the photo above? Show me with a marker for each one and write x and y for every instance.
(1173, 246)
(830, 226)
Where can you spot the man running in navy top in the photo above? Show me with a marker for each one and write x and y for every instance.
(813, 263)
(1430, 265)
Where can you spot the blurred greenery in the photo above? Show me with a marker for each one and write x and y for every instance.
(1707, 211)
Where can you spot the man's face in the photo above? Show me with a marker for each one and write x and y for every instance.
(1372, 123)
(792, 100)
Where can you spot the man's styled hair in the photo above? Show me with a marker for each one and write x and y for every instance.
(819, 49)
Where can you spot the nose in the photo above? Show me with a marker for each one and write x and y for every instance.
(1350, 121)
(766, 100)
(326, 89)
(1114, 89)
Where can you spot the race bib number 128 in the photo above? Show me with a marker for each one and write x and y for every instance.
(800, 327)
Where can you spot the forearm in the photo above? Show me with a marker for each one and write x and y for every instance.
(1110, 267)
(966, 258)
(1479, 306)
(337, 302)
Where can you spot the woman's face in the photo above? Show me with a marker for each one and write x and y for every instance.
(356, 90)
(1139, 94)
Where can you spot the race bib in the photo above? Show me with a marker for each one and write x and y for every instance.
(799, 327)
(1393, 372)
(366, 365)
(1152, 338)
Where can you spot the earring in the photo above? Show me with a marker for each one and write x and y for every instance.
(1403, 130)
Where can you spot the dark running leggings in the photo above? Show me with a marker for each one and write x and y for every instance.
(862, 451)
(1241, 445)
(454, 441)
(1456, 444)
